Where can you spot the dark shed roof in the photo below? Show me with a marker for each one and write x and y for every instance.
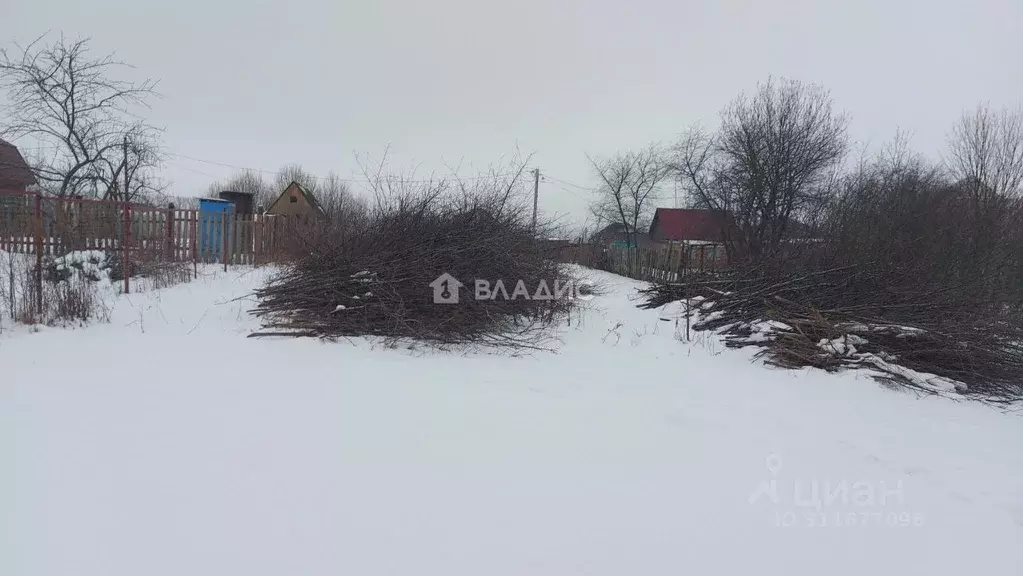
(14, 171)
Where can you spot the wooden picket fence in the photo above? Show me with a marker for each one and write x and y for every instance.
(45, 226)
(667, 262)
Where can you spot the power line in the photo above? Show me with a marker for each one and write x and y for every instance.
(577, 195)
(199, 172)
(567, 183)
(275, 172)
(562, 183)
(349, 180)
(216, 163)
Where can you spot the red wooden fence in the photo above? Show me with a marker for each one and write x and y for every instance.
(46, 226)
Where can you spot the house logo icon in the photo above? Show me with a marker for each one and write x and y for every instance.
(445, 289)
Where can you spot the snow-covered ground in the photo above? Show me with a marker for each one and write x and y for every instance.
(167, 443)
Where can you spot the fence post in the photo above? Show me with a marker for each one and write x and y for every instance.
(193, 223)
(257, 238)
(666, 265)
(237, 243)
(223, 220)
(170, 233)
(125, 241)
(678, 265)
(39, 256)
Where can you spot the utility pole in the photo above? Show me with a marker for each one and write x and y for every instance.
(536, 194)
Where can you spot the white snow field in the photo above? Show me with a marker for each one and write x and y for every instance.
(168, 443)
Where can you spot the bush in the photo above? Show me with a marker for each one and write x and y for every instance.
(90, 265)
(908, 275)
(371, 275)
(74, 301)
(74, 285)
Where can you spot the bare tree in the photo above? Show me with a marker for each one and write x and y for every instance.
(630, 184)
(395, 190)
(132, 173)
(505, 184)
(247, 181)
(985, 159)
(82, 117)
(336, 198)
(295, 173)
(773, 158)
(986, 153)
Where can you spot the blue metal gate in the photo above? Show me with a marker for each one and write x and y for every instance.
(214, 215)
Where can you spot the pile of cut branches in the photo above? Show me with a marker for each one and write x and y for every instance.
(939, 339)
(376, 277)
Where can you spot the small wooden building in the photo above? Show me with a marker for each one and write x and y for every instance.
(15, 177)
(15, 174)
(242, 201)
(296, 201)
(700, 234)
(688, 225)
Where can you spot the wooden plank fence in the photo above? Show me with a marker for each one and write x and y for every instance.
(49, 227)
(667, 262)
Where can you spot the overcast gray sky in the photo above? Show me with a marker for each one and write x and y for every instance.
(259, 84)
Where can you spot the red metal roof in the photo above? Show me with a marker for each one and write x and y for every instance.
(687, 224)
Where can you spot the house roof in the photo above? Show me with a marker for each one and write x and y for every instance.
(689, 224)
(613, 228)
(616, 232)
(14, 171)
(308, 198)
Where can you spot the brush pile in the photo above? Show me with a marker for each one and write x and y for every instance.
(932, 339)
(377, 276)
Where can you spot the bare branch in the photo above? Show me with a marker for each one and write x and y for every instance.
(986, 153)
(71, 104)
(630, 184)
(774, 159)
